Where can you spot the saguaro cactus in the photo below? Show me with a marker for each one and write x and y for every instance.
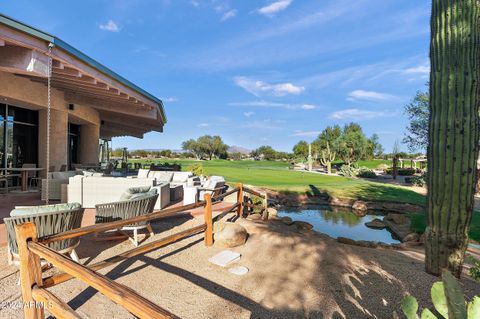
(327, 158)
(453, 131)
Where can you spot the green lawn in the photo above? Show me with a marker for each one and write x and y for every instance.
(277, 176)
(419, 223)
(369, 163)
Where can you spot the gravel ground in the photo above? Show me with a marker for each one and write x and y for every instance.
(292, 275)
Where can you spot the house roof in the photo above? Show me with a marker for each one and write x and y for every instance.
(57, 42)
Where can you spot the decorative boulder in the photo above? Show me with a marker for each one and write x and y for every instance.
(360, 205)
(272, 211)
(303, 225)
(345, 240)
(412, 237)
(376, 223)
(287, 220)
(398, 219)
(254, 217)
(231, 235)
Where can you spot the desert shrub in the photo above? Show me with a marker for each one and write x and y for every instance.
(365, 172)
(382, 167)
(349, 170)
(401, 171)
(475, 268)
(417, 180)
(197, 169)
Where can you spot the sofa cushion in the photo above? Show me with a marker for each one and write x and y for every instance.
(129, 193)
(161, 176)
(31, 210)
(151, 192)
(181, 177)
(143, 173)
(63, 175)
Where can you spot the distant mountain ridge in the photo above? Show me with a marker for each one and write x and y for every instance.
(238, 149)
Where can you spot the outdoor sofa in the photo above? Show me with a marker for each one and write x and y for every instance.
(93, 190)
(56, 179)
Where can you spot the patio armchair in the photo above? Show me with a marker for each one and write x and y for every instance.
(56, 179)
(215, 186)
(134, 203)
(49, 220)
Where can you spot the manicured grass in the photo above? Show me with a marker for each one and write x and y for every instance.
(277, 176)
(419, 223)
(372, 164)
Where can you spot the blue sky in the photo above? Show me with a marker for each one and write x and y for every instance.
(255, 72)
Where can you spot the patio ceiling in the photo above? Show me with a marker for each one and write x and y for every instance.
(124, 108)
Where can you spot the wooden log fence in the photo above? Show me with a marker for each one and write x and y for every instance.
(36, 298)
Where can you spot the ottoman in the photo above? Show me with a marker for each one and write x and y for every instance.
(176, 193)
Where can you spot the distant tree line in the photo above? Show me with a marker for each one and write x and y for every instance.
(207, 147)
(348, 144)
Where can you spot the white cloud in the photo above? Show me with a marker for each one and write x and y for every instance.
(266, 124)
(110, 26)
(274, 7)
(228, 15)
(308, 107)
(248, 114)
(369, 96)
(263, 103)
(169, 99)
(258, 88)
(306, 133)
(203, 125)
(421, 69)
(357, 114)
(194, 3)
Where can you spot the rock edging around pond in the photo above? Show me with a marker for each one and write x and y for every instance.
(293, 199)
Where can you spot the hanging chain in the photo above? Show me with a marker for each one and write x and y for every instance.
(49, 106)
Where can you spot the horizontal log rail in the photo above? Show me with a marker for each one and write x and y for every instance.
(260, 207)
(55, 306)
(222, 196)
(59, 278)
(78, 232)
(120, 294)
(32, 249)
(253, 192)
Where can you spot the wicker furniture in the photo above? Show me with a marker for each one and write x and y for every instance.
(93, 190)
(56, 180)
(109, 212)
(69, 216)
(215, 185)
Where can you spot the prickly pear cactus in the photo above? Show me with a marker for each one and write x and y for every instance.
(448, 300)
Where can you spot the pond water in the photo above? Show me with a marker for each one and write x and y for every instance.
(339, 222)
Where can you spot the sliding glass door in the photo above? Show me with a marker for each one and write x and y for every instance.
(18, 136)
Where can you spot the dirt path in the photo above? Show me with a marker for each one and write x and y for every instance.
(292, 275)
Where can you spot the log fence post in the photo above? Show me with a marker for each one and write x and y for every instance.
(30, 271)
(240, 199)
(208, 220)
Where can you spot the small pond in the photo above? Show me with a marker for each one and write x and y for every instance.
(339, 222)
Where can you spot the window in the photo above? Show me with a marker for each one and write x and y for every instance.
(73, 143)
(18, 136)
